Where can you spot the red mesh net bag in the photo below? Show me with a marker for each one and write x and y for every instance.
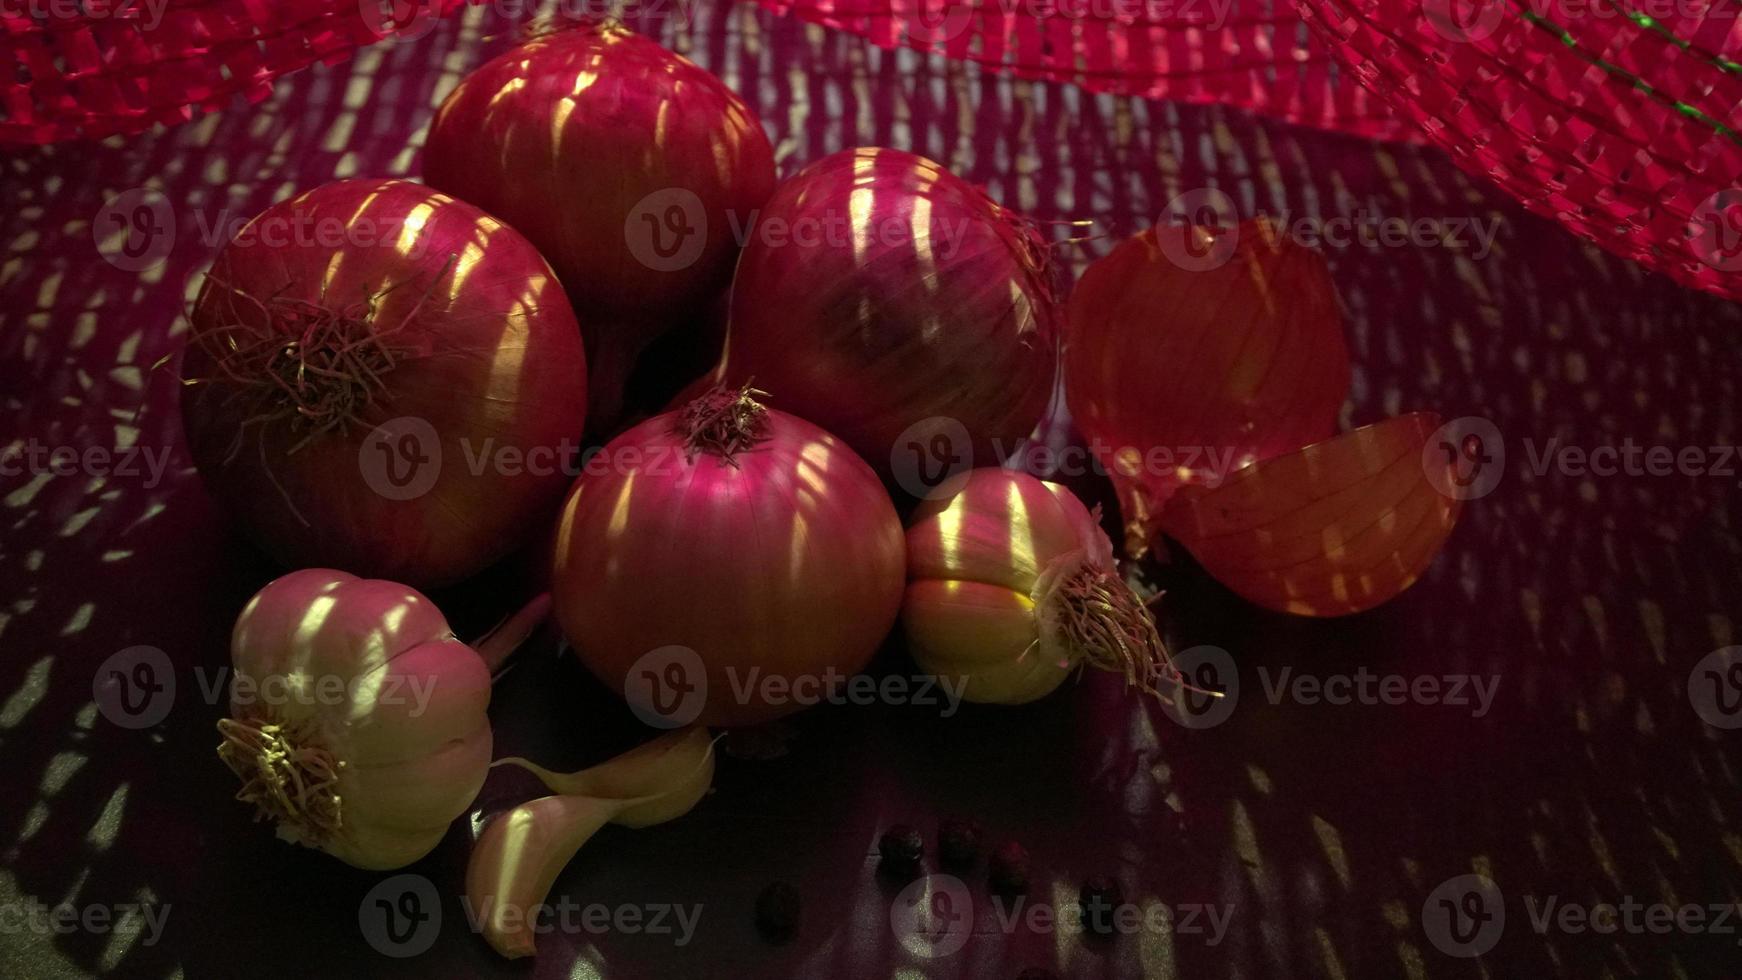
(1618, 118)
(1256, 54)
(94, 68)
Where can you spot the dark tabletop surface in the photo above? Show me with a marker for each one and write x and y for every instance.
(1317, 835)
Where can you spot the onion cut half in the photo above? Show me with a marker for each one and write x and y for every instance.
(1335, 528)
(1187, 358)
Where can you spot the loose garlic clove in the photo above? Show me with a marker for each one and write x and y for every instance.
(518, 858)
(648, 768)
(521, 852)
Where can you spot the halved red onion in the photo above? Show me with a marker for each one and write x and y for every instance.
(1337, 527)
(1192, 352)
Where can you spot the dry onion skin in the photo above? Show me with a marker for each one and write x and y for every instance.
(630, 167)
(881, 291)
(1335, 528)
(518, 856)
(351, 350)
(357, 719)
(1012, 586)
(1245, 359)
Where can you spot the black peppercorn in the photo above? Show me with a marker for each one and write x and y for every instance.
(958, 843)
(777, 909)
(1100, 897)
(901, 848)
(1009, 871)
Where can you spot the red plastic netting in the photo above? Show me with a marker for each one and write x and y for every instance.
(1618, 118)
(93, 68)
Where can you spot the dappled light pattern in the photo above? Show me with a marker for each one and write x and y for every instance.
(1324, 827)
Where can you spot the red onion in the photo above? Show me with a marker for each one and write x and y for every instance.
(1191, 354)
(1332, 529)
(879, 291)
(381, 380)
(727, 564)
(627, 165)
(1206, 365)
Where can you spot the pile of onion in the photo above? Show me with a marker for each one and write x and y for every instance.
(630, 168)
(900, 308)
(722, 547)
(1207, 372)
(380, 379)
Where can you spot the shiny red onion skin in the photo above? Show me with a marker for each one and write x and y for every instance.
(498, 362)
(866, 334)
(794, 561)
(565, 138)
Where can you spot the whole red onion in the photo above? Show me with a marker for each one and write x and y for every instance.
(627, 165)
(878, 292)
(727, 564)
(383, 379)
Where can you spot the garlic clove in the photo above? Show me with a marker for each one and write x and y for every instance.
(521, 852)
(517, 859)
(650, 768)
(966, 625)
(428, 791)
(420, 701)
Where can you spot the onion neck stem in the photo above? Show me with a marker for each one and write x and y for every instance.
(286, 774)
(723, 423)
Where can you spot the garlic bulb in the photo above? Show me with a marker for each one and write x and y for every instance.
(1012, 584)
(357, 719)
